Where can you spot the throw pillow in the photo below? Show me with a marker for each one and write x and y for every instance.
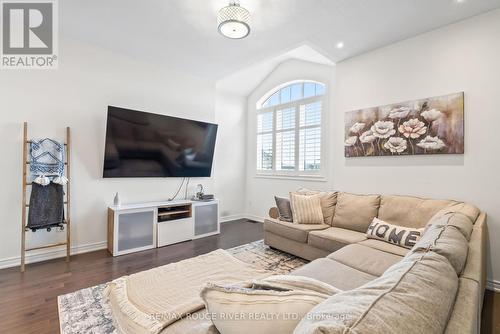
(306, 209)
(328, 202)
(398, 235)
(269, 306)
(355, 212)
(284, 209)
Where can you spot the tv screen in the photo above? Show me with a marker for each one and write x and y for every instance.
(140, 144)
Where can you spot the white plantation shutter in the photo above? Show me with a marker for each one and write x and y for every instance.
(289, 130)
(265, 141)
(265, 151)
(310, 136)
(285, 139)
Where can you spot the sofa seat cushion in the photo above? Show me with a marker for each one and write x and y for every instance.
(410, 211)
(414, 296)
(385, 247)
(334, 273)
(334, 238)
(355, 212)
(297, 232)
(366, 259)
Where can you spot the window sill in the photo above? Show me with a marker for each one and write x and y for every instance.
(310, 178)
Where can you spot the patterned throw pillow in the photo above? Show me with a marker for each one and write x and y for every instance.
(398, 235)
(284, 209)
(306, 209)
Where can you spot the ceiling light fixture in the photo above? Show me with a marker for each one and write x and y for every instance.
(340, 45)
(234, 21)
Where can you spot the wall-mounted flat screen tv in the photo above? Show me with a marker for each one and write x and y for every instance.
(141, 144)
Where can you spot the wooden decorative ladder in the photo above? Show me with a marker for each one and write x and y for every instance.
(25, 204)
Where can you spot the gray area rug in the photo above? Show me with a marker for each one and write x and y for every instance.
(85, 311)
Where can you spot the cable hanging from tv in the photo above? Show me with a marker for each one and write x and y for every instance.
(179, 189)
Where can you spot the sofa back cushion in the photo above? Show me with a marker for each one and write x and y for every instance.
(409, 211)
(398, 235)
(422, 287)
(328, 202)
(448, 236)
(355, 212)
(465, 209)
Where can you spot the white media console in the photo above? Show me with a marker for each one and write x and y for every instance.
(137, 227)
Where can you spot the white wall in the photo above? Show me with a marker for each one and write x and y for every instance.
(460, 57)
(260, 189)
(77, 95)
(230, 158)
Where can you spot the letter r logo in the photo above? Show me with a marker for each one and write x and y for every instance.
(27, 28)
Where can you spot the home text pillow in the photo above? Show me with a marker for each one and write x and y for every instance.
(328, 202)
(269, 306)
(398, 235)
(284, 209)
(306, 209)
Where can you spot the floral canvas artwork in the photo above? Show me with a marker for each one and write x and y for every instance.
(428, 126)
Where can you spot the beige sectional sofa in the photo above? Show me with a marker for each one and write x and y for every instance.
(344, 257)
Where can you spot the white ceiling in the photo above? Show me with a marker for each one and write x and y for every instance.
(243, 82)
(183, 33)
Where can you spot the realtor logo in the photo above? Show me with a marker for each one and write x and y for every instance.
(28, 34)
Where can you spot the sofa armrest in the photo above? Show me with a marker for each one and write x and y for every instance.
(273, 213)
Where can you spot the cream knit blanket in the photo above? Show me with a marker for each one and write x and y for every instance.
(149, 301)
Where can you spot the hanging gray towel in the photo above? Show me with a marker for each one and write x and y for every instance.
(46, 206)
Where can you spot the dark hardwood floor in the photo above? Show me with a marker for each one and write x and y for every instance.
(28, 301)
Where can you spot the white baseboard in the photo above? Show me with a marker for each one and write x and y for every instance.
(242, 216)
(232, 218)
(44, 255)
(255, 218)
(493, 285)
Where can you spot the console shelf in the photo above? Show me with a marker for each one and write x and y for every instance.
(137, 227)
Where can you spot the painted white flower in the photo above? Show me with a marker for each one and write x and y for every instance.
(396, 145)
(431, 115)
(383, 129)
(431, 143)
(413, 128)
(367, 137)
(400, 112)
(351, 141)
(357, 127)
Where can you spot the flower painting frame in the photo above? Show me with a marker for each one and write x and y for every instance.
(428, 126)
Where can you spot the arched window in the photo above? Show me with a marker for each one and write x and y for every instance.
(289, 129)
